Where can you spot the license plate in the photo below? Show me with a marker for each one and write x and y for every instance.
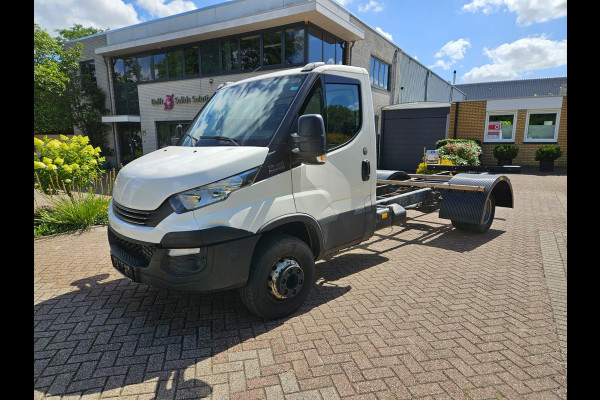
(122, 267)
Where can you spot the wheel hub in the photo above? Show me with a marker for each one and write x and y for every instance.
(286, 279)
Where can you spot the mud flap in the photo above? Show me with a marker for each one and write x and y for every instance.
(468, 206)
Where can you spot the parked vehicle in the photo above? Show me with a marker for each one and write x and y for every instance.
(275, 172)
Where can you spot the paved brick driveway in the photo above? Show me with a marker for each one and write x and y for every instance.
(418, 312)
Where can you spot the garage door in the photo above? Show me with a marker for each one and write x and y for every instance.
(406, 132)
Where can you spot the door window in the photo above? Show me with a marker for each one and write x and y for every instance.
(340, 108)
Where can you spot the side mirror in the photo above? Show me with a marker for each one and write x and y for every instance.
(178, 133)
(310, 143)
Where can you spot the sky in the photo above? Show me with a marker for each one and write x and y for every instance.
(483, 40)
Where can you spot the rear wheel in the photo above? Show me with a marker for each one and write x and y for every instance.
(281, 276)
(489, 211)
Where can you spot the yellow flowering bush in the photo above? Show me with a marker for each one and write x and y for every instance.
(71, 162)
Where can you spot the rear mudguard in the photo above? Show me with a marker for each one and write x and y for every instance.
(467, 206)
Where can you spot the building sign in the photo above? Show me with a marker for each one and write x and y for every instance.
(494, 129)
(432, 156)
(170, 100)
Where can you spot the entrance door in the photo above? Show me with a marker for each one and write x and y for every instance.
(337, 192)
(167, 132)
(130, 141)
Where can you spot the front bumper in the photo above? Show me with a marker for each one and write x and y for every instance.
(223, 261)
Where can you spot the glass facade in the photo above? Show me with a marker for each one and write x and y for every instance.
(293, 45)
(250, 52)
(272, 48)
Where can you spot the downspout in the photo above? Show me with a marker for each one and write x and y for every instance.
(426, 81)
(455, 120)
(112, 112)
(394, 72)
(350, 52)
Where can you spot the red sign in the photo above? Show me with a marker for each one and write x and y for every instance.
(494, 128)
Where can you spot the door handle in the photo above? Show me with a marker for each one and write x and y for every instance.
(366, 170)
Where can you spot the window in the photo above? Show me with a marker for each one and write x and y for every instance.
(118, 70)
(160, 66)
(340, 52)
(88, 72)
(341, 113)
(145, 69)
(229, 50)
(542, 126)
(175, 64)
(328, 49)
(166, 132)
(191, 61)
(379, 73)
(500, 126)
(294, 46)
(315, 45)
(209, 56)
(250, 52)
(272, 48)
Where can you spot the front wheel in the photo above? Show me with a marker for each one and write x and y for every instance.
(281, 276)
(489, 211)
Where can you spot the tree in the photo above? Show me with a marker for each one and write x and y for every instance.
(77, 31)
(51, 66)
(62, 97)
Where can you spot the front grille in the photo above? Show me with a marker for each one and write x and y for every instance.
(142, 217)
(135, 254)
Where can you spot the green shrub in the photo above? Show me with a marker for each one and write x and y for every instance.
(78, 211)
(69, 162)
(547, 153)
(506, 151)
(422, 168)
(442, 142)
(462, 153)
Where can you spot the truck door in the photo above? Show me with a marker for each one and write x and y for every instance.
(337, 192)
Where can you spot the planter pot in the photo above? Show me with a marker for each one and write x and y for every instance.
(504, 162)
(547, 165)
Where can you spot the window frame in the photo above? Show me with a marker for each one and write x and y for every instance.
(378, 64)
(487, 121)
(542, 111)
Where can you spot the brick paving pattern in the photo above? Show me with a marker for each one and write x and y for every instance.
(418, 312)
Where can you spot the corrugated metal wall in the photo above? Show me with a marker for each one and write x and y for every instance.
(420, 86)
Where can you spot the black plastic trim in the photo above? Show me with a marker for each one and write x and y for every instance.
(314, 230)
(203, 237)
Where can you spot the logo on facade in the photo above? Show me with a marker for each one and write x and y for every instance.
(169, 102)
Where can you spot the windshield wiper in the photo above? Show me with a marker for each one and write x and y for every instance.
(188, 135)
(220, 138)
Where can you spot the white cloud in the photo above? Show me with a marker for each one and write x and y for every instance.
(387, 35)
(371, 5)
(453, 51)
(102, 14)
(159, 8)
(512, 60)
(527, 11)
(343, 2)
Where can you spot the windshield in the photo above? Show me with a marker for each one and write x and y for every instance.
(246, 114)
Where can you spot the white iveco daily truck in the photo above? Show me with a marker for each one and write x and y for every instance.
(275, 172)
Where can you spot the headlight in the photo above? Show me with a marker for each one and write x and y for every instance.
(211, 193)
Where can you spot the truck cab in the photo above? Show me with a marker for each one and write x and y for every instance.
(274, 172)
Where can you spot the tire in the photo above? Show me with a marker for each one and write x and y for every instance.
(275, 258)
(488, 217)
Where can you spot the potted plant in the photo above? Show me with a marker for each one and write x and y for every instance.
(546, 156)
(505, 153)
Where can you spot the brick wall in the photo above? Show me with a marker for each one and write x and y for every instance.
(471, 125)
